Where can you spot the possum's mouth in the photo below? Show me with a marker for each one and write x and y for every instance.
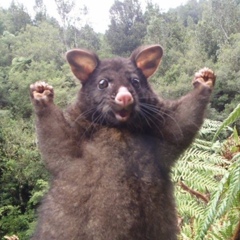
(123, 115)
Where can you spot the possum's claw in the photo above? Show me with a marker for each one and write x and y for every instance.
(41, 92)
(204, 77)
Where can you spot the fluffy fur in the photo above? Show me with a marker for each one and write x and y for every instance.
(110, 177)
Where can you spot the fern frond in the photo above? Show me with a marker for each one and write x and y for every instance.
(220, 233)
(190, 209)
(201, 182)
(203, 155)
(211, 124)
(211, 211)
(188, 206)
(188, 229)
(199, 169)
(234, 115)
(202, 144)
(204, 170)
(213, 163)
(224, 228)
(209, 127)
(186, 233)
(236, 157)
(232, 191)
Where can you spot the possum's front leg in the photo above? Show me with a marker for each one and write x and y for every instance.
(186, 115)
(55, 139)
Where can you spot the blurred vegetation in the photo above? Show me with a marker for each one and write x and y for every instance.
(197, 34)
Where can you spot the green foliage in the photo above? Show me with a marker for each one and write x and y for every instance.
(194, 40)
(40, 10)
(194, 35)
(22, 176)
(16, 18)
(208, 184)
(228, 72)
(7, 40)
(233, 117)
(224, 199)
(23, 73)
(127, 26)
(42, 43)
(87, 38)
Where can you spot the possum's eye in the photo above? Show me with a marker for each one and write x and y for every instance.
(136, 83)
(103, 84)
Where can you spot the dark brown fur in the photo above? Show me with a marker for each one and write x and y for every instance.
(110, 179)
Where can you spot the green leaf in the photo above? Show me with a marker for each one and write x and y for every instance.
(234, 116)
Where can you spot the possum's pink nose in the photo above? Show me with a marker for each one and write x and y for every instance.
(124, 97)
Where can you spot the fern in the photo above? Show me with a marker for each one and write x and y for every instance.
(209, 204)
(187, 205)
(209, 128)
(211, 210)
(226, 196)
(232, 189)
(234, 116)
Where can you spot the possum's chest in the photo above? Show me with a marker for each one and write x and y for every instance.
(123, 155)
(115, 160)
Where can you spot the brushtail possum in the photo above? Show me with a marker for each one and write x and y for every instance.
(110, 153)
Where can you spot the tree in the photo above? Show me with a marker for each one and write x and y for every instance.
(88, 39)
(64, 8)
(127, 27)
(225, 16)
(17, 18)
(191, 10)
(21, 172)
(42, 43)
(40, 9)
(227, 92)
(7, 41)
(20, 78)
(71, 21)
(164, 28)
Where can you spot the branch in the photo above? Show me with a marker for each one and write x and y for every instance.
(193, 192)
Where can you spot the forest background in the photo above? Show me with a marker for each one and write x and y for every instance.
(197, 34)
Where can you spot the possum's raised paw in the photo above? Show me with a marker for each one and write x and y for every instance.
(41, 93)
(204, 77)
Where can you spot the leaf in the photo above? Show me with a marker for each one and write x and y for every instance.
(211, 210)
(234, 115)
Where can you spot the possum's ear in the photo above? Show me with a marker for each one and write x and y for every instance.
(82, 63)
(147, 58)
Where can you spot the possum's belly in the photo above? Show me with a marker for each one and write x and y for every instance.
(116, 190)
(110, 201)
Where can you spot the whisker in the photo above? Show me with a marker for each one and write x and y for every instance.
(156, 110)
(148, 117)
(153, 109)
(148, 108)
(145, 118)
(91, 125)
(82, 115)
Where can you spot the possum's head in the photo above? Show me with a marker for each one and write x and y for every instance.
(116, 91)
